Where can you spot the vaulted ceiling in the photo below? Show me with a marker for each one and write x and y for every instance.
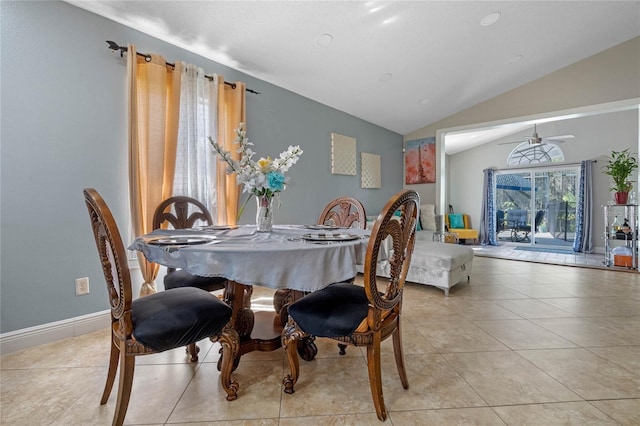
(399, 64)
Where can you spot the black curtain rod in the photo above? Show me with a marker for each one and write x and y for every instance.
(114, 46)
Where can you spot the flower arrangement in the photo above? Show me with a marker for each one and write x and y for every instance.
(262, 178)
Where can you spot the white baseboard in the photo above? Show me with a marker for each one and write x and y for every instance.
(18, 340)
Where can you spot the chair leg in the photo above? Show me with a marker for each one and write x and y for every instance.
(375, 377)
(114, 356)
(342, 348)
(290, 336)
(230, 342)
(399, 356)
(192, 350)
(127, 368)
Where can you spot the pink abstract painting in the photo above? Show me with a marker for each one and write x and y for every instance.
(420, 161)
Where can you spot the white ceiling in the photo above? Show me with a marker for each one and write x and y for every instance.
(439, 57)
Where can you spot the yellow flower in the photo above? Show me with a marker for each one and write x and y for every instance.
(264, 164)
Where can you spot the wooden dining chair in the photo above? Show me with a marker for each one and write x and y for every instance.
(154, 323)
(344, 212)
(362, 316)
(182, 212)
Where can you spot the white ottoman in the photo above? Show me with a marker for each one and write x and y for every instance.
(438, 264)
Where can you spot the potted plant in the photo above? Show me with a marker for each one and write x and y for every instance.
(619, 166)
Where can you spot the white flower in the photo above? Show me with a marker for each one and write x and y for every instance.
(262, 177)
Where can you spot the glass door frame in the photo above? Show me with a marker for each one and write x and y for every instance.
(532, 171)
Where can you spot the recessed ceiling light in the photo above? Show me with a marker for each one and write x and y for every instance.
(424, 101)
(490, 19)
(324, 39)
(515, 58)
(385, 77)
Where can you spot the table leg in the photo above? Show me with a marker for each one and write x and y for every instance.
(258, 331)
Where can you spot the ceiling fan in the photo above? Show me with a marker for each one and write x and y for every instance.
(537, 140)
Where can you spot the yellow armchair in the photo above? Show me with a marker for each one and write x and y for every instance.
(461, 224)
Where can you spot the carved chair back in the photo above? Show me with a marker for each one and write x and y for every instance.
(344, 212)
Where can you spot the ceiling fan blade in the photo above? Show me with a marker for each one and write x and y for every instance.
(558, 137)
(509, 143)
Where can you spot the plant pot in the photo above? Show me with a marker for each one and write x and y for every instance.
(621, 197)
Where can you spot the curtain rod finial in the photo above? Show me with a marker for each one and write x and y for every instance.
(114, 46)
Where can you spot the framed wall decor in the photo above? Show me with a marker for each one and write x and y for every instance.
(343, 155)
(420, 161)
(370, 171)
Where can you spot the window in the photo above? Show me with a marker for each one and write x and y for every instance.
(526, 153)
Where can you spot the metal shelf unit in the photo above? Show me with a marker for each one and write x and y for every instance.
(623, 211)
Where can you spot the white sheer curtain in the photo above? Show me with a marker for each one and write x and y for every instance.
(195, 174)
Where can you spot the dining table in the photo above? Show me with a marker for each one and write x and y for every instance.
(294, 260)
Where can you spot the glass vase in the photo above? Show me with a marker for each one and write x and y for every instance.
(264, 213)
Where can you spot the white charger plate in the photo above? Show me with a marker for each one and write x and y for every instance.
(322, 227)
(180, 240)
(329, 237)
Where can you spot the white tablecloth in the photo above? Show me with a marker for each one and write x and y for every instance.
(278, 259)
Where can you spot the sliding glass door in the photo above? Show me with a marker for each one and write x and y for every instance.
(537, 206)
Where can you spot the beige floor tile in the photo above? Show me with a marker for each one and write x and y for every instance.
(461, 336)
(156, 391)
(254, 422)
(421, 310)
(61, 383)
(523, 334)
(365, 419)
(596, 306)
(335, 386)
(489, 292)
(624, 411)
(482, 416)
(532, 308)
(485, 310)
(432, 384)
(582, 331)
(563, 413)
(258, 395)
(587, 374)
(413, 342)
(623, 327)
(539, 290)
(505, 378)
(70, 352)
(39, 396)
(627, 357)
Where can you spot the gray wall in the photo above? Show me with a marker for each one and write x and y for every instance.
(63, 116)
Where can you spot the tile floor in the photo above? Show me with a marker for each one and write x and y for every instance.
(522, 343)
(506, 251)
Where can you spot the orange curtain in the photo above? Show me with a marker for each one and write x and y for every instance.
(154, 103)
(231, 112)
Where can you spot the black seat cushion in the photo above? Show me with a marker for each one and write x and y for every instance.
(181, 278)
(334, 311)
(177, 317)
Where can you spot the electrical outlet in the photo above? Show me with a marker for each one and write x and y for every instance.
(82, 286)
